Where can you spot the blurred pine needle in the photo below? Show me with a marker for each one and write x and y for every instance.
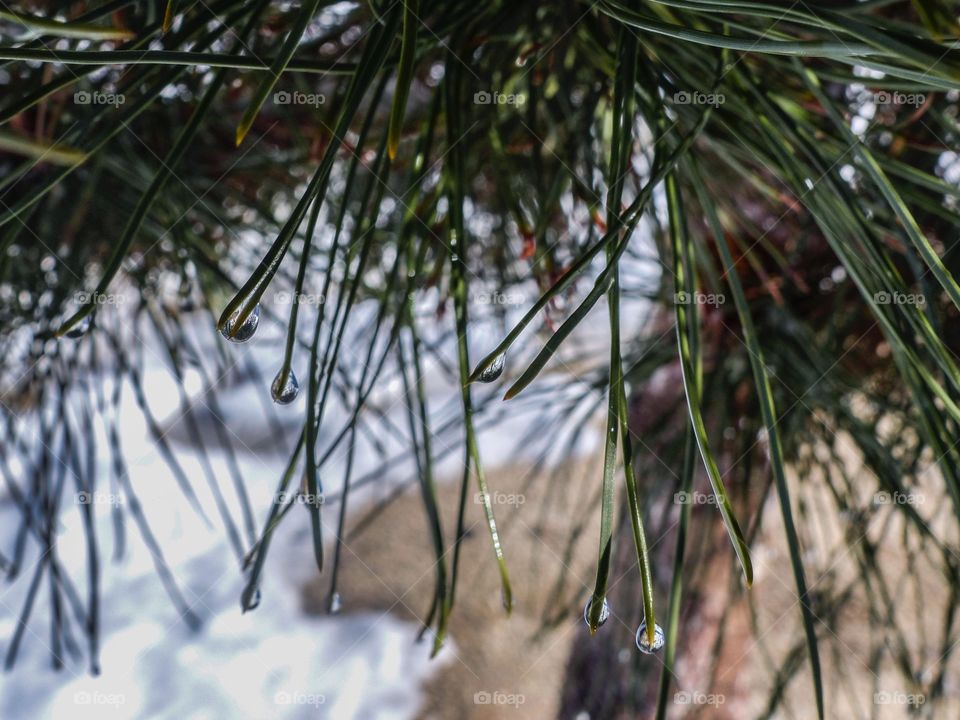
(776, 181)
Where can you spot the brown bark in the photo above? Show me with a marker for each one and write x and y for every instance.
(607, 677)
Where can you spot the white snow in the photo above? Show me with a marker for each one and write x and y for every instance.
(273, 662)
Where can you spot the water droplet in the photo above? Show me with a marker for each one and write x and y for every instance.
(495, 370)
(336, 604)
(604, 612)
(245, 331)
(285, 393)
(80, 329)
(644, 644)
(250, 600)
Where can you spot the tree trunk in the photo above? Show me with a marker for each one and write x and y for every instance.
(607, 677)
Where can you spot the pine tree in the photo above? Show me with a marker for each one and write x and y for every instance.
(774, 182)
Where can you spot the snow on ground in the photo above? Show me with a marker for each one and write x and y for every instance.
(273, 662)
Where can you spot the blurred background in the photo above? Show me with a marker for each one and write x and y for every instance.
(349, 349)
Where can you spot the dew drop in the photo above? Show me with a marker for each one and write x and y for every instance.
(604, 612)
(80, 329)
(336, 604)
(245, 331)
(495, 370)
(285, 393)
(642, 641)
(250, 600)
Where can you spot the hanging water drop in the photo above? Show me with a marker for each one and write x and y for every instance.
(495, 369)
(245, 331)
(80, 329)
(250, 600)
(284, 392)
(604, 612)
(336, 604)
(643, 643)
